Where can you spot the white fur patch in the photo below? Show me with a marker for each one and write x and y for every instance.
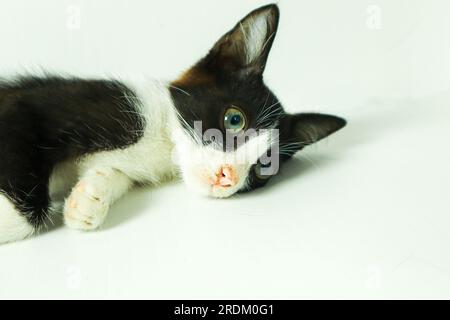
(148, 160)
(13, 226)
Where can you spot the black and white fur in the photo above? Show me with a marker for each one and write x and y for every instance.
(95, 139)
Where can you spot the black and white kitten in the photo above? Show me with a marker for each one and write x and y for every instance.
(112, 134)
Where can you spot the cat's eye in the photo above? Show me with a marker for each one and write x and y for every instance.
(258, 173)
(234, 120)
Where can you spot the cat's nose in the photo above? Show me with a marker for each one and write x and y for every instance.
(226, 176)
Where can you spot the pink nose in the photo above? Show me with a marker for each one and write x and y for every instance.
(226, 176)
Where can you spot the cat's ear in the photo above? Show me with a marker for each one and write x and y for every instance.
(245, 48)
(303, 129)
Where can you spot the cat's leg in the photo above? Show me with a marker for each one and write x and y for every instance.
(24, 175)
(13, 223)
(89, 202)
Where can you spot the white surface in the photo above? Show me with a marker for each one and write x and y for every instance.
(364, 214)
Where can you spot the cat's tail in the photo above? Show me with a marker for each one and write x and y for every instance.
(13, 225)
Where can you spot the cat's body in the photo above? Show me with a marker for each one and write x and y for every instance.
(123, 140)
(92, 140)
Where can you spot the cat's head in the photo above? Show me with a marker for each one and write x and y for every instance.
(233, 133)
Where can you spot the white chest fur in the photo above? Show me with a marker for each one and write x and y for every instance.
(147, 161)
(150, 159)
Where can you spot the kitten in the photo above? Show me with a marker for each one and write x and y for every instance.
(113, 134)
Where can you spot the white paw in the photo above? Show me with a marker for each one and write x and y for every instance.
(87, 207)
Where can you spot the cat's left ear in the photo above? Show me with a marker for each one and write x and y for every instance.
(245, 48)
(303, 129)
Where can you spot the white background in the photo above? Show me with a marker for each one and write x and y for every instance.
(364, 214)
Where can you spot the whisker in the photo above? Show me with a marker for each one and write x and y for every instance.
(269, 113)
(179, 89)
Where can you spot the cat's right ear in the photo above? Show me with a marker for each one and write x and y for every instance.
(245, 48)
(303, 129)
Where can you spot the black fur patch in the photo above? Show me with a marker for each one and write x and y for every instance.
(44, 121)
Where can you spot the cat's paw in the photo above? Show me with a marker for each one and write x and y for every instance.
(86, 208)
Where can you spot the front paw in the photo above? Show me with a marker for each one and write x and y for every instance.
(86, 208)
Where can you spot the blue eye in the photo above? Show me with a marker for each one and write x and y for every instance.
(234, 120)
